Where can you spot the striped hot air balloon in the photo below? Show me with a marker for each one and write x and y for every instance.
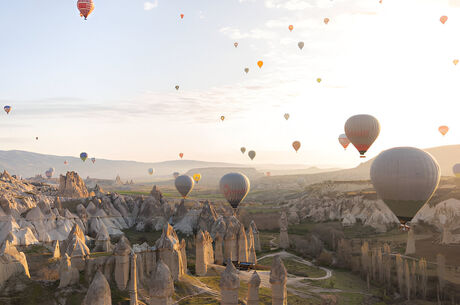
(362, 130)
(344, 140)
(86, 7)
(234, 187)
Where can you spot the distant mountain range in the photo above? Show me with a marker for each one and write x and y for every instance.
(29, 164)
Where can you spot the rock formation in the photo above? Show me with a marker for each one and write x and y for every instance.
(242, 245)
(219, 255)
(71, 185)
(204, 253)
(168, 249)
(252, 257)
(253, 289)
(121, 253)
(12, 262)
(410, 246)
(253, 227)
(103, 240)
(133, 280)
(118, 180)
(278, 279)
(161, 285)
(230, 243)
(56, 250)
(156, 193)
(229, 285)
(98, 292)
(68, 275)
(75, 247)
(284, 238)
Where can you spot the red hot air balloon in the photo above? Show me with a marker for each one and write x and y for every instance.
(181, 16)
(181, 155)
(344, 141)
(85, 7)
(291, 27)
(443, 19)
(443, 129)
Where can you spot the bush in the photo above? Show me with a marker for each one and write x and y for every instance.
(325, 259)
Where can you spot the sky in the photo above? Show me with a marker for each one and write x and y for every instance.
(106, 85)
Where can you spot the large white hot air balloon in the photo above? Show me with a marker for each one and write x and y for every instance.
(405, 178)
(362, 130)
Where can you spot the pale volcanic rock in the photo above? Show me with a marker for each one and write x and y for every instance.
(68, 275)
(121, 252)
(204, 253)
(56, 250)
(252, 257)
(168, 248)
(278, 280)
(156, 193)
(253, 289)
(12, 263)
(229, 285)
(284, 238)
(71, 185)
(255, 232)
(207, 217)
(219, 255)
(161, 285)
(242, 245)
(103, 240)
(98, 292)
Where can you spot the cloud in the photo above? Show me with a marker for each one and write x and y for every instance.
(150, 5)
(236, 34)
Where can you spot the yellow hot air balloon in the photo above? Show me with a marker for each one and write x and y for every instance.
(243, 150)
(455, 61)
(296, 145)
(222, 118)
(326, 20)
(319, 80)
(260, 63)
(197, 178)
(443, 129)
(286, 116)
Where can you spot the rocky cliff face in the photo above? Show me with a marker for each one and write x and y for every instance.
(71, 185)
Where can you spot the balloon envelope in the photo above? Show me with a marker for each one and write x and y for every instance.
(456, 170)
(85, 7)
(234, 187)
(291, 27)
(455, 61)
(344, 140)
(362, 130)
(326, 20)
(7, 109)
(184, 185)
(236, 44)
(93, 160)
(443, 130)
(286, 116)
(260, 63)
(405, 178)
(222, 118)
(150, 171)
(175, 175)
(252, 154)
(181, 155)
(296, 145)
(246, 70)
(197, 177)
(301, 44)
(177, 87)
(83, 156)
(443, 19)
(243, 150)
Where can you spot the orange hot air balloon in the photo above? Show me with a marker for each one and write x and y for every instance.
(85, 7)
(222, 118)
(326, 20)
(181, 16)
(455, 61)
(181, 155)
(260, 63)
(443, 129)
(268, 174)
(296, 145)
(344, 141)
(291, 27)
(443, 19)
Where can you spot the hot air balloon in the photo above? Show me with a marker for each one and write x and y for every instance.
(405, 178)
(455, 61)
(36, 138)
(150, 170)
(85, 7)
(83, 156)
(268, 174)
(443, 129)
(286, 116)
(177, 87)
(362, 130)
(443, 19)
(175, 175)
(181, 155)
(222, 118)
(234, 187)
(93, 160)
(326, 20)
(197, 178)
(246, 70)
(7, 109)
(243, 150)
(236, 44)
(344, 141)
(181, 16)
(252, 154)
(48, 174)
(301, 44)
(291, 27)
(65, 162)
(296, 145)
(456, 170)
(184, 185)
(319, 80)
(260, 63)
